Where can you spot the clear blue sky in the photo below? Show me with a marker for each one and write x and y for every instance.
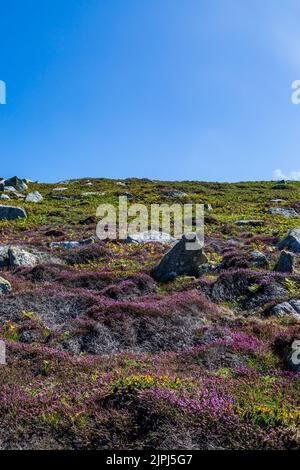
(164, 89)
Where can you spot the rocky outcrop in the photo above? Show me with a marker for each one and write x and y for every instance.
(185, 258)
(16, 183)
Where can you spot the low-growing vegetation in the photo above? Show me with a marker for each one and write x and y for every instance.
(100, 355)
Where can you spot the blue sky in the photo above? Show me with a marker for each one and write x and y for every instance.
(164, 89)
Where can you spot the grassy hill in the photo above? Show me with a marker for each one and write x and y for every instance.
(101, 356)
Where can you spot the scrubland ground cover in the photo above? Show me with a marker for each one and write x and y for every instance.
(100, 356)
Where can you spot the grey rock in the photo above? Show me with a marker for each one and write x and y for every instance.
(258, 259)
(150, 236)
(10, 189)
(185, 258)
(72, 244)
(4, 196)
(12, 213)
(292, 308)
(5, 286)
(291, 242)
(278, 200)
(19, 257)
(283, 211)
(12, 256)
(174, 193)
(35, 196)
(286, 263)
(250, 222)
(208, 207)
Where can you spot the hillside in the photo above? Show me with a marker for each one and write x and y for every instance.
(101, 355)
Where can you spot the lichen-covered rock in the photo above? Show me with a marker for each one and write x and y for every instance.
(185, 258)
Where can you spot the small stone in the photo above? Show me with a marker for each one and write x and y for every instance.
(250, 222)
(258, 259)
